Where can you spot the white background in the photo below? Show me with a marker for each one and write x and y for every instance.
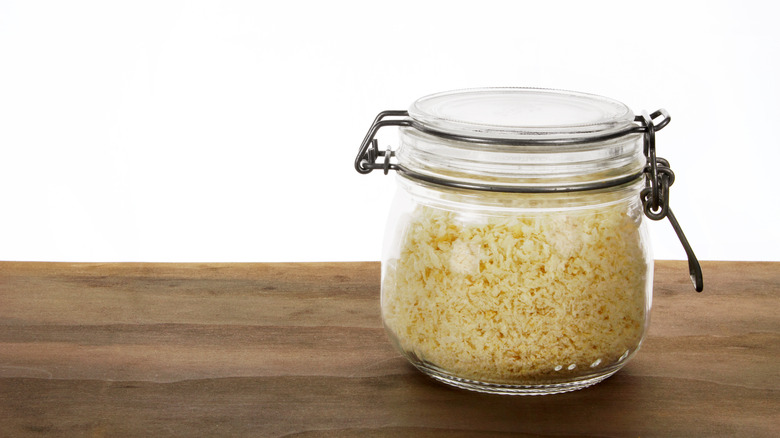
(226, 130)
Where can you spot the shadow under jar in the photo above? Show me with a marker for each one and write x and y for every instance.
(516, 258)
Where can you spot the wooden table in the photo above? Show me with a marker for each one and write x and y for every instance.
(298, 350)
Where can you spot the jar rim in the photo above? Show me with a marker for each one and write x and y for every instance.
(519, 114)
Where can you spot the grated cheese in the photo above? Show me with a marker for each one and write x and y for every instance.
(518, 299)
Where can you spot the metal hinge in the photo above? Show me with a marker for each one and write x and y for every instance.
(369, 153)
(655, 196)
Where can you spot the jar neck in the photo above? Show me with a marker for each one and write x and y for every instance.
(458, 199)
(520, 167)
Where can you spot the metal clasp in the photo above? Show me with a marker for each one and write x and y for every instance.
(369, 153)
(655, 196)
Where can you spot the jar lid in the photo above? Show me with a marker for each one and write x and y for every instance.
(520, 140)
(521, 114)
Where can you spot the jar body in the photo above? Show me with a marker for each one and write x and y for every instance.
(517, 293)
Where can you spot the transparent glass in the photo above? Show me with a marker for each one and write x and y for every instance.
(516, 293)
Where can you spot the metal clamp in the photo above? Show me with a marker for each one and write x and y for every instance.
(655, 196)
(369, 152)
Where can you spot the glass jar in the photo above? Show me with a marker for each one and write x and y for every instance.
(516, 257)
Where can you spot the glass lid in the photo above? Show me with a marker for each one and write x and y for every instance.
(530, 114)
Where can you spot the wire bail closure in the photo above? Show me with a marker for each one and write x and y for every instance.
(658, 174)
(655, 196)
(366, 159)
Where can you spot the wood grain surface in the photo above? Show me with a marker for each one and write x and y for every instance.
(298, 350)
